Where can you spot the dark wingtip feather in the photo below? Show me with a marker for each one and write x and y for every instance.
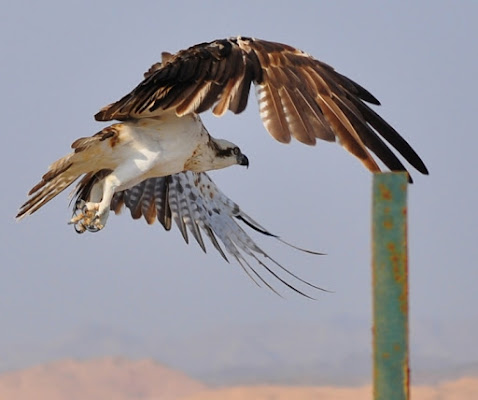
(357, 89)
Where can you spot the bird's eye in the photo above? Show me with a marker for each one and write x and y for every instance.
(236, 151)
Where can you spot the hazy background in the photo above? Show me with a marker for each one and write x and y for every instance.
(138, 291)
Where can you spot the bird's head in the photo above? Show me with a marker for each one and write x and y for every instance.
(226, 154)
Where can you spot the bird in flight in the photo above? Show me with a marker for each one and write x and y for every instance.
(154, 160)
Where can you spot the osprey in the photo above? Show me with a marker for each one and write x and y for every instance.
(154, 161)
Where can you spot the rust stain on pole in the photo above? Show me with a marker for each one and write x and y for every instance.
(390, 287)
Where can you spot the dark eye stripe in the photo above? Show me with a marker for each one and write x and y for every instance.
(224, 153)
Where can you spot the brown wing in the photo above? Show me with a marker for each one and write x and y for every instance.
(298, 97)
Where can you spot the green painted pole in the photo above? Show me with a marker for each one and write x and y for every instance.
(390, 287)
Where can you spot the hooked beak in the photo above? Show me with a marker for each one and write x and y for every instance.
(243, 160)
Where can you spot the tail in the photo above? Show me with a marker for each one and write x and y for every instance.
(60, 175)
(86, 158)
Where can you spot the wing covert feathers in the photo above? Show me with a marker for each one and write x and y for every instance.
(298, 97)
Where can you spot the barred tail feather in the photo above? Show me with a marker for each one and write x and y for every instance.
(90, 155)
(60, 175)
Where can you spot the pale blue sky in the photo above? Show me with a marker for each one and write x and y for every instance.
(62, 61)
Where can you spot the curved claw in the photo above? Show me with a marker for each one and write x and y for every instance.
(86, 218)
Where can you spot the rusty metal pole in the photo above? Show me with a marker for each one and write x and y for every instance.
(390, 287)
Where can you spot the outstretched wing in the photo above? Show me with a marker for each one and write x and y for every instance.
(196, 205)
(298, 97)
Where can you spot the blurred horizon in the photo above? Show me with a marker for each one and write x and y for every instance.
(124, 379)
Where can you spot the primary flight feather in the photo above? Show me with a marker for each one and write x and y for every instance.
(154, 160)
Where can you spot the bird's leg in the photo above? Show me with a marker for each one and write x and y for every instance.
(101, 210)
(92, 215)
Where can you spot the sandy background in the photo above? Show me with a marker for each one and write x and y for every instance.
(122, 379)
